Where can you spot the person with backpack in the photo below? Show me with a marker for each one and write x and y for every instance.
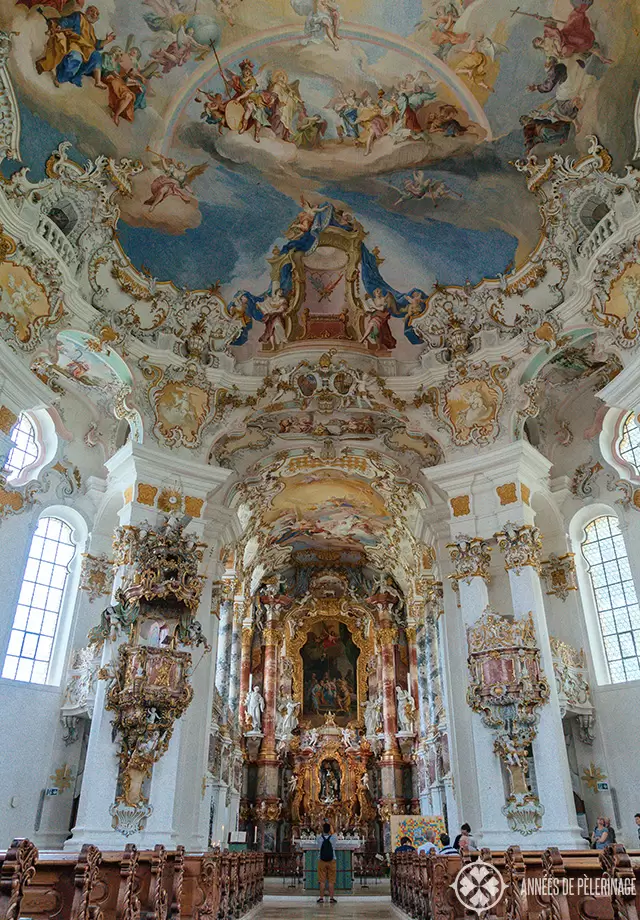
(327, 866)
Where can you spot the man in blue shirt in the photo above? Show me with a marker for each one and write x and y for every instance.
(405, 846)
(327, 866)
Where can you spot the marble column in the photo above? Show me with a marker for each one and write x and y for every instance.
(521, 545)
(270, 691)
(235, 662)
(246, 640)
(387, 637)
(223, 664)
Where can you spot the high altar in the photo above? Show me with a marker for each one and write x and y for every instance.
(329, 727)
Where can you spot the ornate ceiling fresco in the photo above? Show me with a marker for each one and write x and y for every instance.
(393, 124)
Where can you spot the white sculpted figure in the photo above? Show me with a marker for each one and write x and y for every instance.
(254, 705)
(289, 711)
(372, 717)
(348, 737)
(406, 709)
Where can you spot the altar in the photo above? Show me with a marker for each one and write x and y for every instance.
(344, 861)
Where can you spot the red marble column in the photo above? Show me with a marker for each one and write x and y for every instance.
(245, 668)
(387, 639)
(413, 665)
(269, 691)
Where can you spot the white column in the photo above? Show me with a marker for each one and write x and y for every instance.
(493, 830)
(177, 806)
(559, 824)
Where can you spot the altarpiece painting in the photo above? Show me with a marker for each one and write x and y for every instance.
(329, 662)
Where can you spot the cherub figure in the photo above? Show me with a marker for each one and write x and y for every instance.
(176, 180)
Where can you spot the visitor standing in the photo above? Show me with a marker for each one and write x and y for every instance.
(446, 849)
(601, 836)
(327, 866)
(465, 838)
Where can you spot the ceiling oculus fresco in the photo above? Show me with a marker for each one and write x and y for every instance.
(304, 157)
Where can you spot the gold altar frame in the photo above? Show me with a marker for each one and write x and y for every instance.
(324, 612)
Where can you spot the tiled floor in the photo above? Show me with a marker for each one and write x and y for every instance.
(304, 908)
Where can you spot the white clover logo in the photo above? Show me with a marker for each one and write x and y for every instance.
(478, 886)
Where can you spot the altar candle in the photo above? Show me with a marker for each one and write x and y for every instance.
(223, 841)
(255, 834)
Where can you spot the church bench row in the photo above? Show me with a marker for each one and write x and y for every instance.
(132, 885)
(421, 885)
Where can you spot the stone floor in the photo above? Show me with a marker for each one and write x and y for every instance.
(349, 907)
(374, 889)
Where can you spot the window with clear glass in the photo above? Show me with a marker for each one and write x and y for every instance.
(629, 443)
(615, 597)
(25, 450)
(40, 602)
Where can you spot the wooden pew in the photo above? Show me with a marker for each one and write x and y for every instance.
(547, 885)
(132, 885)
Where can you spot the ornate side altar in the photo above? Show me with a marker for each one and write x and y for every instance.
(146, 667)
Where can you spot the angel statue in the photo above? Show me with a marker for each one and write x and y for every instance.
(175, 181)
(183, 33)
(479, 51)
(406, 708)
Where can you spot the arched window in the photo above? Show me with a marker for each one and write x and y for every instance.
(26, 449)
(628, 445)
(614, 595)
(41, 601)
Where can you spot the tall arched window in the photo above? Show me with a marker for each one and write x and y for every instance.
(615, 597)
(41, 600)
(25, 450)
(629, 443)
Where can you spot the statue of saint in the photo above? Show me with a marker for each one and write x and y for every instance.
(405, 708)
(372, 717)
(254, 705)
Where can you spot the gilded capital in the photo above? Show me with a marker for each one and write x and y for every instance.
(270, 635)
(246, 637)
(388, 635)
(521, 545)
(471, 557)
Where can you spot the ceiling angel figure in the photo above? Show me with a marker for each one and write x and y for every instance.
(175, 180)
(322, 20)
(479, 52)
(185, 33)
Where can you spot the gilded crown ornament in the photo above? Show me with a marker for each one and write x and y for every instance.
(471, 557)
(521, 545)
